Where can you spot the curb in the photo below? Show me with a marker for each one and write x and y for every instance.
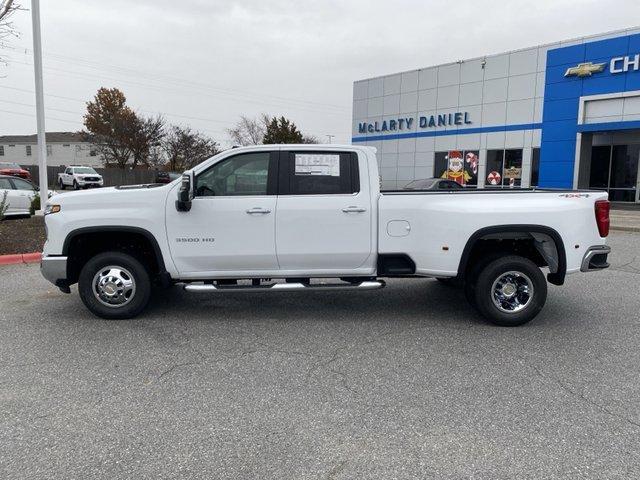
(625, 229)
(20, 258)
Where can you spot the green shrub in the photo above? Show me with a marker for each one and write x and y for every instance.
(35, 204)
(4, 205)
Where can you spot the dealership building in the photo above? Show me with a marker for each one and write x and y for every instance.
(561, 115)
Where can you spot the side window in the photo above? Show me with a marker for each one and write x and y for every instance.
(5, 184)
(67, 171)
(22, 184)
(318, 173)
(243, 174)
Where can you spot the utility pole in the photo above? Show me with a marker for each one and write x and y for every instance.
(37, 67)
(330, 137)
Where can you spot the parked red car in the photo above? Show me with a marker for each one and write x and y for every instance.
(14, 170)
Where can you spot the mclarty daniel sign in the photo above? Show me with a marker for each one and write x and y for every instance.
(408, 123)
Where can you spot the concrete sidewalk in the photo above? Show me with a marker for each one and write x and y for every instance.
(625, 220)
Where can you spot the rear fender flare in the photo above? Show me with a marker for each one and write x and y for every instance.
(555, 277)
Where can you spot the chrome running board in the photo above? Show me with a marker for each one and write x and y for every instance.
(285, 287)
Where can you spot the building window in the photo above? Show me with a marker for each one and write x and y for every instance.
(92, 152)
(1, 150)
(66, 145)
(461, 166)
(28, 149)
(49, 150)
(504, 168)
(535, 167)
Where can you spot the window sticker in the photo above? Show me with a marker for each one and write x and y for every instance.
(317, 164)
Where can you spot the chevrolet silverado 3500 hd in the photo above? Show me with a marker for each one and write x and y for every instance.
(277, 218)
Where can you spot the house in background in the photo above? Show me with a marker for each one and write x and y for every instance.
(63, 148)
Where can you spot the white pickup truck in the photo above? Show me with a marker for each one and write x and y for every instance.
(78, 177)
(278, 218)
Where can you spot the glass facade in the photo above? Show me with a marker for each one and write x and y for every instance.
(461, 166)
(504, 168)
(614, 168)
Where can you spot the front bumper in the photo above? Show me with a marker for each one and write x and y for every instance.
(90, 183)
(54, 269)
(595, 258)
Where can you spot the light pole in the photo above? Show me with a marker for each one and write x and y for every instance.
(37, 67)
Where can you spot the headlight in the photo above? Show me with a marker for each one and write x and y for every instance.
(50, 208)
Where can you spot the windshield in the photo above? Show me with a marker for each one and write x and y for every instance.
(84, 170)
(9, 165)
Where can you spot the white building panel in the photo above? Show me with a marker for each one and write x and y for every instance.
(495, 90)
(448, 75)
(522, 86)
(392, 84)
(409, 82)
(428, 78)
(523, 62)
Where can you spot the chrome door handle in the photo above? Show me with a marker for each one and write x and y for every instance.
(258, 210)
(354, 209)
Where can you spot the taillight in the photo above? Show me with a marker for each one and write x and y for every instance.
(602, 217)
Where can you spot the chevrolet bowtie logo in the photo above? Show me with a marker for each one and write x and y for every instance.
(584, 69)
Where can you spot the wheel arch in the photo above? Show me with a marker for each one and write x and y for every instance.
(108, 232)
(556, 259)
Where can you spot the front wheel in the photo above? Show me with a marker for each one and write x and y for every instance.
(61, 183)
(114, 285)
(510, 291)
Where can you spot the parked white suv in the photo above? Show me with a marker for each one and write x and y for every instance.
(78, 177)
(278, 218)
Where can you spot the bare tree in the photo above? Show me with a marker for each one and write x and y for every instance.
(146, 140)
(185, 148)
(7, 29)
(249, 131)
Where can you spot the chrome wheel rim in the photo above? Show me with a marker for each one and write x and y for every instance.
(512, 292)
(114, 286)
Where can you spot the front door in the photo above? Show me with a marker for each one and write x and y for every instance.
(230, 229)
(324, 217)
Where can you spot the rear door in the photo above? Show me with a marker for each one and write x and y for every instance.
(24, 192)
(324, 214)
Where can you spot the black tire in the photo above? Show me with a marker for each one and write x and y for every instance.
(131, 267)
(75, 185)
(61, 184)
(471, 277)
(527, 301)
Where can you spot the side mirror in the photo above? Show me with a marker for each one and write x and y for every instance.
(185, 192)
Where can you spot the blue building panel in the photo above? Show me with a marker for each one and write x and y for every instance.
(566, 55)
(611, 47)
(560, 115)
(563, 109)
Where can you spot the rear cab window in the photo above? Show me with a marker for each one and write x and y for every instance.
(318, 173)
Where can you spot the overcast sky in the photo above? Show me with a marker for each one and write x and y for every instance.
(204, 63)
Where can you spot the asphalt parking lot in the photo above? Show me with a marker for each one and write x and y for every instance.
(402, 383)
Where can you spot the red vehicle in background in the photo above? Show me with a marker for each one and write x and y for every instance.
(15, 170)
